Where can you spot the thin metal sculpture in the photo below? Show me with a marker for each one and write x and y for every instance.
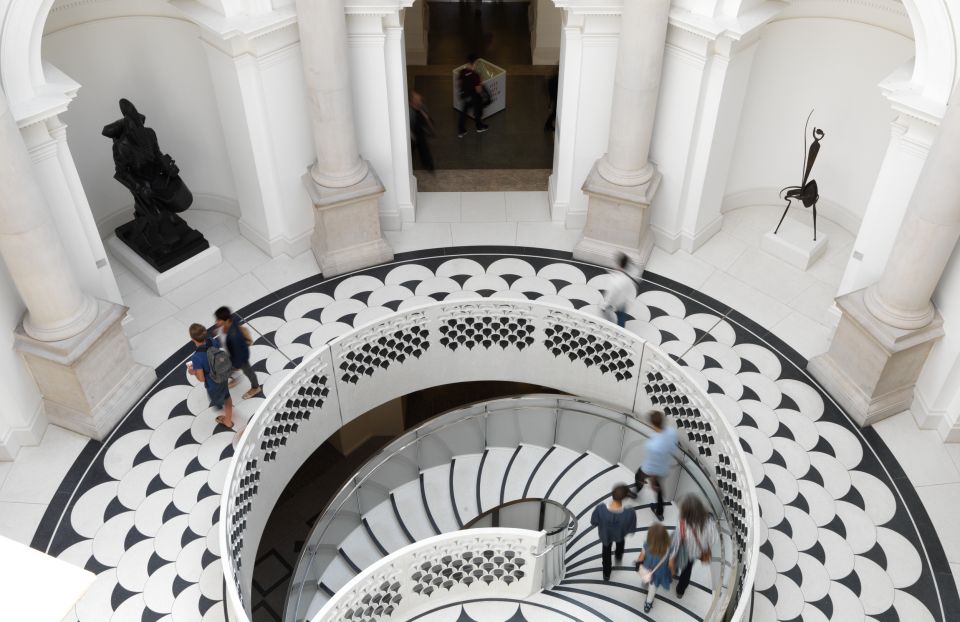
(806, 192)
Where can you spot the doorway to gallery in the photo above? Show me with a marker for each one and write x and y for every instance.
(516, 153)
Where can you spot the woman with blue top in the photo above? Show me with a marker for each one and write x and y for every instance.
(651, 564)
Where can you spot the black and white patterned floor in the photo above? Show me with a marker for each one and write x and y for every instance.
(844, 534)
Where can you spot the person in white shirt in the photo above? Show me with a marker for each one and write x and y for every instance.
(621, 289)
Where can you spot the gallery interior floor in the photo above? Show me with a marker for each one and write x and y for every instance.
(858, 524)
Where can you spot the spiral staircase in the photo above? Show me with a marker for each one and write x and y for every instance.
(448, 486)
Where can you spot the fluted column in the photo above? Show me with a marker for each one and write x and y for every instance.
(344, 189)
(326, 68)
(643, 35)
(623, 182)
(927, 236)
(57, 308)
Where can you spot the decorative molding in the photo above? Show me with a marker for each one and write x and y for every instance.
(27, 435)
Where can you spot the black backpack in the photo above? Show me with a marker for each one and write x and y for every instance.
(219, 362)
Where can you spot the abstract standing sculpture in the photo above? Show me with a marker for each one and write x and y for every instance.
(156, 233)
(806, 192)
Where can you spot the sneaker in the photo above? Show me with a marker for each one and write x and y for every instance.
(606, 577)
(461, 134)
(659, 515)
(647, 607)
(482, 129)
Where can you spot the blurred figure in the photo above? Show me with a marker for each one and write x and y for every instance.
(620, 291)
(237, 341)
(659, 451)
(210, 365)
(553, 89)
(693, 540)
(421, 128)
(471, 97)
(614, 523)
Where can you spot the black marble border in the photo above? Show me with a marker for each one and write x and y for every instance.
(90, 457)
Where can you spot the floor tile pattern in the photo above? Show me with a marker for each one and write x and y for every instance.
(844, 534)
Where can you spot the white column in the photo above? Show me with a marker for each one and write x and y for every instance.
(927, 236)
(643, 35)
(623, 182)
(345, 190)
(56, 306)
(323, 44)
(404, 183)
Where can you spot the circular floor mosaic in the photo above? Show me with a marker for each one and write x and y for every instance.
(844, 535)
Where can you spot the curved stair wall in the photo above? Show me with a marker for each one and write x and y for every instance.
(507, 453)
(461, 341)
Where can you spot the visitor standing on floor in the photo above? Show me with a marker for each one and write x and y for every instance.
(471, 97)
(421, 128)
(658, 459)
(621, 289)
(553, 90)
(210, 364)
(693, 540)
(614, 523)
(652, 563)
(237, 341)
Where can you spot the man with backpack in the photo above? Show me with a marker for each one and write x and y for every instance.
(210, 364)
(471, 97)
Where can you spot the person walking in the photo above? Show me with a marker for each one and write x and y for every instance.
(237, 342)
(659, 455)
(421, 127)
(651, 563)
(693, 540)
(210, 365)
(471, 97)
(614, 523)
(621, 290)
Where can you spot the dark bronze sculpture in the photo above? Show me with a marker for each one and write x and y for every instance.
(156, 233)
(806, 192)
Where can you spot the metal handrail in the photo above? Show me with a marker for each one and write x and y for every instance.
(561, 404)
(570, 524)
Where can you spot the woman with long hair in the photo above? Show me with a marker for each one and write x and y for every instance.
(693, 540)
(653, 571)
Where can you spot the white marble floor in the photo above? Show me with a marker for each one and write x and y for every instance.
(730, 267)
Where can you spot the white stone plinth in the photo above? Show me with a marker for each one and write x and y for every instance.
(871, 367)
(618, 221)
(347, 234)
(794, 244)
(89, 381)
(163, 282)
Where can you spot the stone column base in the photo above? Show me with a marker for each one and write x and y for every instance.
(618, 221)
(346, 233)
(90, 381)
(871, 367)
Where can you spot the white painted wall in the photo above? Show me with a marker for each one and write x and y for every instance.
(21, 398)
(158, 64)
(937, 397)
(831, 65)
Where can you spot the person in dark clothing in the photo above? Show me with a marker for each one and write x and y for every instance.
(614, 523)
(471, 96)
(421, 127)
(553, 89)
(199, 367)
(237, 343)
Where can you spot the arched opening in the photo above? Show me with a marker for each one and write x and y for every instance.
(832, 63)
(512, 37)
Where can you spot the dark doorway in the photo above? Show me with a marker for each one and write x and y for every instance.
(516, 153)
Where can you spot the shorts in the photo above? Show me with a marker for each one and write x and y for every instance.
(218, 394)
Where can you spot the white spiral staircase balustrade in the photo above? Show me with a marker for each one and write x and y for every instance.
(462, 341)
(440, 570)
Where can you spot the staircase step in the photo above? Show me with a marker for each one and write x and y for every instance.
(436, 482)
(494, 470)
(413, 515)
(523, 465)
(553, 466)
(385, 527)
(463, 486)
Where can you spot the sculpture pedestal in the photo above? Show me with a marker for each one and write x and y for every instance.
(163, 282)
(346, 233)
(871, 367)
(90, 381)
(618, 221)
(794, 244)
